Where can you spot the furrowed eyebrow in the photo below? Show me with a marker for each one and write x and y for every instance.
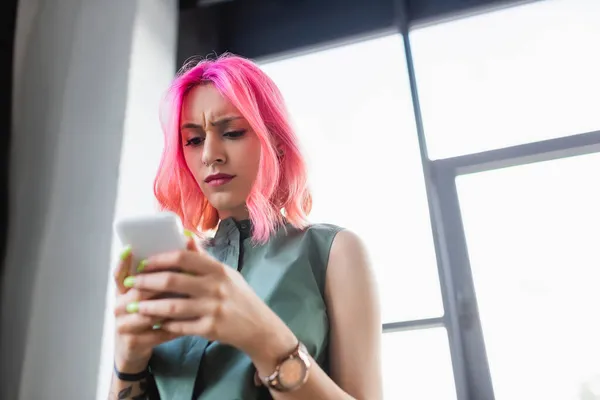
(191, 125)
(224, 121)
(218, 123)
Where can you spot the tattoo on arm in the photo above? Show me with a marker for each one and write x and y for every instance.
(123, 394)
(143, 391)
(126, 393)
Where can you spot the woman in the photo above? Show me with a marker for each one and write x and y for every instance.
(270, 307)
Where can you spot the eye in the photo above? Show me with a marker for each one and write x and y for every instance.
(195, 141)
(234, 134)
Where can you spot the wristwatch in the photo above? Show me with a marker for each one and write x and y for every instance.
(290, 373)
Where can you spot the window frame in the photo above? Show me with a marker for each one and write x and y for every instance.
(461, 317)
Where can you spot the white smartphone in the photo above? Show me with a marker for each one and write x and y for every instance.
(151, 234)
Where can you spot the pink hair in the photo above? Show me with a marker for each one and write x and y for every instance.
(281, 182)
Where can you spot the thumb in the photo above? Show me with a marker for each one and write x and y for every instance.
(191, 241)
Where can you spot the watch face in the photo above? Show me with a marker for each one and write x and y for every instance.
(292, 372)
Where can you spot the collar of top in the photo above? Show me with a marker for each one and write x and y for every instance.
(229, 229)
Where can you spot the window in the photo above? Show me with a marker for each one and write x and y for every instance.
(509, 77)
(417, 365)
(354, 117)
(353, 112)
(532, 233)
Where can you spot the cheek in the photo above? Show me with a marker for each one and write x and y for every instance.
(245, 162)
(193, 162)
(252, 158)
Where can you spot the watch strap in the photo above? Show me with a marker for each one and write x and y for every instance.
(272, 381)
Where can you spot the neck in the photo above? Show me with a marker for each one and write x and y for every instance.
(238, 214)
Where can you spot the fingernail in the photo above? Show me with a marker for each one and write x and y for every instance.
(125, 252)
(142, 265)
(133, 307)
(188, 233)
(129, 281)
(157, 326)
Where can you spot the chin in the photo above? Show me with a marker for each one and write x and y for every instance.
(226, 202)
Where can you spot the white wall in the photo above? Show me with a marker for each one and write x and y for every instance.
(152, 69)
(72, 103)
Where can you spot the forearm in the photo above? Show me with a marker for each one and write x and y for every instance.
(141, 389)
(318, 386)
(129, 390)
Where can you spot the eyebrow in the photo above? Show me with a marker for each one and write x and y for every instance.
(219, 122)
(224, 121)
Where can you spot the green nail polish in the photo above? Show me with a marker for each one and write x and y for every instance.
(125, 253)
(187, 233)
(133, 307)
(142, 265)
(129, 281)
(157, 326)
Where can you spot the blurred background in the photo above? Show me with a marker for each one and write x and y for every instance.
(459, 138)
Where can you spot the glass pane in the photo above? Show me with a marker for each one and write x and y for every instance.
(355, 120)
(417, 365)
(509, 77)
(532, 233)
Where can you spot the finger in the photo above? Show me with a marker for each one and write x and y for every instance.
(182, 309)
(191, 242)
(135, 323)
(149, 339)
(168, 282)
(192, 262)
(201, 327)
(133, 295)
(122, 269)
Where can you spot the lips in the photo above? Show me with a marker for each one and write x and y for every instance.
(218, 179)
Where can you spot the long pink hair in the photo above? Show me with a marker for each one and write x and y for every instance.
(280, 187)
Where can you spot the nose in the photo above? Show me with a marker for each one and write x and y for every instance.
(213, 150)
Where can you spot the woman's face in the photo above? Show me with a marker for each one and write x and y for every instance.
(220, 149)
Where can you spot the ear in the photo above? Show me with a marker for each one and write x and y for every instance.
(278, 148)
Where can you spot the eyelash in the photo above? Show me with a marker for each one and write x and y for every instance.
(197, 141)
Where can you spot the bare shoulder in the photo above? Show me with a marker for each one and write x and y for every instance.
(347, 239)
(355, 321)
(348, 252)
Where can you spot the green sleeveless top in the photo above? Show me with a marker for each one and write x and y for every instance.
(288, 274)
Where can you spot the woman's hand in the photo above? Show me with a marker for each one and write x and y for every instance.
(219, 304)
(135, 336)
